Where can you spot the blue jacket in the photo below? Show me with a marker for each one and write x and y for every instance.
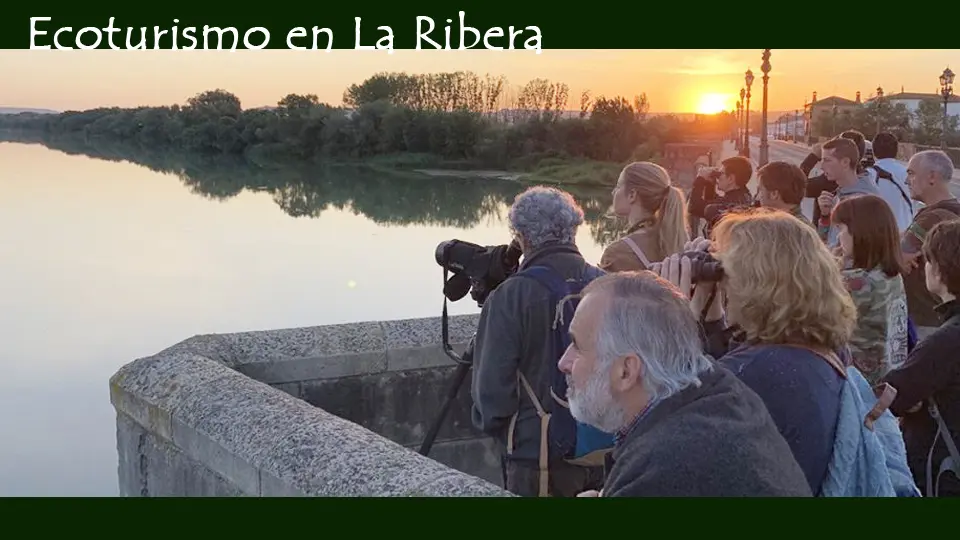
(866, 462)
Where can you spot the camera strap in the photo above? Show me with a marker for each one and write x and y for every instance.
(445, 328)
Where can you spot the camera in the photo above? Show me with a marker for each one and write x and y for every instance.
(703, 267)
(476, 269)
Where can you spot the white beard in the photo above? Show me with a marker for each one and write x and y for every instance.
(594, 404)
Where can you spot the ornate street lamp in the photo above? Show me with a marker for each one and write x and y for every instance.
(879, 102)
(743, 118)
(946, 90)
(764, 147)
(796, 123)
(739, 124)
(748, 79)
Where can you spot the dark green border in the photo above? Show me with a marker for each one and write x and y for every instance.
(451, 518)
(623, 25)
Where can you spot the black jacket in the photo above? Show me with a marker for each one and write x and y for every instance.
(931, 371)
(715, 440)
(512, 335)
(705, 204)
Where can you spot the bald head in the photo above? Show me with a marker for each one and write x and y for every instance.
(929, 174)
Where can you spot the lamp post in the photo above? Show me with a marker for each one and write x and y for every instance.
(743, 119)
(747, 78)
(833, 124)
(813, 103)
(796, 122)
(946, 90)
(879, 102)
(739, 144)
(764, 147)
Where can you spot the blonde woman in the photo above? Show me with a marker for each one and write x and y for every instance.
(656, 213)
(786, 296)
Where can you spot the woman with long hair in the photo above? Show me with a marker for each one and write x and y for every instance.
(787, 304)
(871, 264)
(655, 211)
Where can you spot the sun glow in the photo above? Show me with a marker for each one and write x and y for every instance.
(712, 103)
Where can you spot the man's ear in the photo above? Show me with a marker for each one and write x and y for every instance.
(627, 373)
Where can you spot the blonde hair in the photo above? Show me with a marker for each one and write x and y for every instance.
(783, 284)
(666, 202)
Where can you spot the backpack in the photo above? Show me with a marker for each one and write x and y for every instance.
(562, 436)
(951, 463)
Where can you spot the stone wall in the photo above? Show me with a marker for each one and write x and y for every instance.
(331, 411)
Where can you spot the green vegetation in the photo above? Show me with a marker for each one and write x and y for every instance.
(397, 121)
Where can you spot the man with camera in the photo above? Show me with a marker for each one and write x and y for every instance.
(517, 389)
(731, 178)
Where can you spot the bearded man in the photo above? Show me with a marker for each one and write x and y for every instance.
(685, 426)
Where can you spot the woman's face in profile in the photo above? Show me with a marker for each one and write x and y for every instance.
(621, 199)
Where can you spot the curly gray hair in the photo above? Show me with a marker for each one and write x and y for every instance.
(541, 215)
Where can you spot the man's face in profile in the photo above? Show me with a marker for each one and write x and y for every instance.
(588, 380)
(832, 166)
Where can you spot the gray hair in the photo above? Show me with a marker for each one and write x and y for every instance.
(938, 162)
(649, 317)
(541, 215)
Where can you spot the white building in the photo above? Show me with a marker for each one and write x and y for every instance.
(911, 100)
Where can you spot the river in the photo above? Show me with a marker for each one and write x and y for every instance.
(114, 257)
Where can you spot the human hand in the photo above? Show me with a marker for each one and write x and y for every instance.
(827, 201)
(677, 269)
(911, 261)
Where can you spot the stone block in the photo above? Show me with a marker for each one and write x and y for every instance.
(231, 423)
(147, 389)
(337, 340)
(331, 457)
(399, 405)
(277, 370)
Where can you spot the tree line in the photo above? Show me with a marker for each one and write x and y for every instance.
(922, 126)
(458, 119)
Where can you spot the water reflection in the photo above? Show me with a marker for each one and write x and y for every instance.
(385, 196)
(106, 262)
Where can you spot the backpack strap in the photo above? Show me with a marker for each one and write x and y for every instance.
(636, 250)
(883, 173)
(952, 462)
(549, 279)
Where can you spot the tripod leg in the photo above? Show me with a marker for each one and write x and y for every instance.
(458, 377)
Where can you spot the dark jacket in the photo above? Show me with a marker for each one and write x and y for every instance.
(801, 391)
(817, 184)
(512, 335)
(921, 303)
(715, 440)
(705, 204)
(931, 371)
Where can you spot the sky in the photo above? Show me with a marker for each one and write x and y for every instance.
(675, 80)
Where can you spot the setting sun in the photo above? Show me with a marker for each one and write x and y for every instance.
(712, 104)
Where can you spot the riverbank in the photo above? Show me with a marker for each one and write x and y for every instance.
(548, 170)
(534, 169)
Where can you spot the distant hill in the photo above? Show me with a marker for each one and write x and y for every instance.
(18, 110)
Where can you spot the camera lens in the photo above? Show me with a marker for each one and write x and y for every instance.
(441, 253)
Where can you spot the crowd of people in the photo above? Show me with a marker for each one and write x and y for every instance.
(761, 353)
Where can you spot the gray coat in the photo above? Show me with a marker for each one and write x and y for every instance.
(716, 440)
(512, 336)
